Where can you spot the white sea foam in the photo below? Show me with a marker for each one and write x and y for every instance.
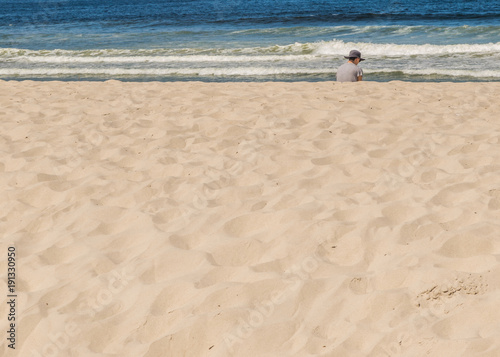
(389, 49)
(162, 59)
(235, 71)
(440, 72)
(290, 52)
(316, 58)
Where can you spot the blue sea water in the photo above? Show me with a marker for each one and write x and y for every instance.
(252, 40)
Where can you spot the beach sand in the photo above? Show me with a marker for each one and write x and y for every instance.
(251, 219)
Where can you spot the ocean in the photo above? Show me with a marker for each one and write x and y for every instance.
(251, 40)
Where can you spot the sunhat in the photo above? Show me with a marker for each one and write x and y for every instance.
(355, 53)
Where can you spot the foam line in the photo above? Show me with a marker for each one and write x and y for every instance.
(236, 71)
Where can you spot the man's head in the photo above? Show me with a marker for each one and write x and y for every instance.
(355, 57)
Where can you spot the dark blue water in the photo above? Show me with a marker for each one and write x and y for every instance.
(219, 40)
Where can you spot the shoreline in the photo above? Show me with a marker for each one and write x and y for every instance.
(286, 83)
(253, 80)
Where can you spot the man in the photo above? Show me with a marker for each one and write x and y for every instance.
(350, 72)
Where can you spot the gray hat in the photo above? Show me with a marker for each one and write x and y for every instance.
(355, 53)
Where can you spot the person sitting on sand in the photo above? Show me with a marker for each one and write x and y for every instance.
(350, 72)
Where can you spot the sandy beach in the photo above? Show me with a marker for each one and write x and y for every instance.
(250, 219)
